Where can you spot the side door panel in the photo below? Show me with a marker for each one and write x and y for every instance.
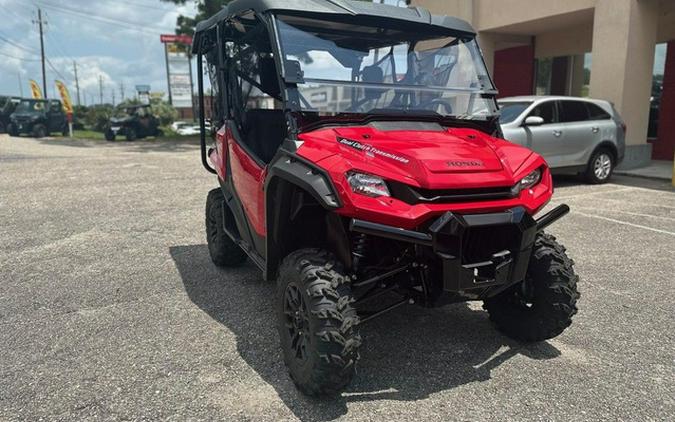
(247, 178)
(579, 135)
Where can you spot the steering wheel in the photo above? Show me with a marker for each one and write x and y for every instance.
(431, 104)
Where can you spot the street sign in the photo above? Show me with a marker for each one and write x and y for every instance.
(173, 38)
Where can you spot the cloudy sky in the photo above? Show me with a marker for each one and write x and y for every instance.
(117, 40)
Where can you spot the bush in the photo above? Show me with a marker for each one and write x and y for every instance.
(164, 111)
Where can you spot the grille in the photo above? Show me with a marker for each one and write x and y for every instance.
(413, 195)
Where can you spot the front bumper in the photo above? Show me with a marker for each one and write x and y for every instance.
(477, 251)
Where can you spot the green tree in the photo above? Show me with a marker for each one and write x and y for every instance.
(205, 9)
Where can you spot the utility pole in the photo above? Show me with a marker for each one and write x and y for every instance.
(112, 90)
(122, 90)
(42, 52)
(20, 85)
(77, 83)
(100, 88)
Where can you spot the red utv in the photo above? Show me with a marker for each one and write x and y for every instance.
(359, 156)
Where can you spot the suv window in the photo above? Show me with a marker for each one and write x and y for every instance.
(596, 113)
(546, 111)
(573, 111)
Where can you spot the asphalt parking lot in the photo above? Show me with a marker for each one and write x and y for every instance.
(111, 309)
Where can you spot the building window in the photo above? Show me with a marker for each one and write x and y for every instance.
(657, 87)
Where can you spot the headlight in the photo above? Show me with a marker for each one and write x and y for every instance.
(367, 184)
(528, 181)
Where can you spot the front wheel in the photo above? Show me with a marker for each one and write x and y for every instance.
(600, 167)
(224, 252)
(109, 135)
(317, 323)
(12, 130)
(39, 131)
(131, 134)
(542, 306)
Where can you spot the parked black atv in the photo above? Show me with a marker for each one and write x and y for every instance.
(38, 118)
(7, 106)
(133, 122)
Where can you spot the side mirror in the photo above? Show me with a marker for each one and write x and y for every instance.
(533, 121)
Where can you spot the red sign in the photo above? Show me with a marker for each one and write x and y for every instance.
(173, 38)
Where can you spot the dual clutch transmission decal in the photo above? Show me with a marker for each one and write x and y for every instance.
(372, 151)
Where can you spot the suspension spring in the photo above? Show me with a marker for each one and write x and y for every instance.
(359, 246)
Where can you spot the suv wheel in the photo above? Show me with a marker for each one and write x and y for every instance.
(39, 131)
(224, 252)
(600, 167)
(542, 306)
(316, 322)
(131, 134)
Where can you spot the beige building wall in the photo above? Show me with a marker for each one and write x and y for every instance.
(624, 36)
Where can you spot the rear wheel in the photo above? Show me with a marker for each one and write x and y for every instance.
(600, 167)
(39, 131)
(542, 306)
(316, 322)
(224, 252)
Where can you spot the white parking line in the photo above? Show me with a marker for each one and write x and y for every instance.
(637, 214)
(558, 198)
(625, 223)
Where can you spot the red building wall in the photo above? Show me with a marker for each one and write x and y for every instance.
(514, 71)
(664, 146)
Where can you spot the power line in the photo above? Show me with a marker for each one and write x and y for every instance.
(17, 45)
(19, 58)
(137, 26)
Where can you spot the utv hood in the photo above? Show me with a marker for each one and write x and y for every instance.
(120, 120)
(429, 154)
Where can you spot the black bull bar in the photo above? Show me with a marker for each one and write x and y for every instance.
(461, 242)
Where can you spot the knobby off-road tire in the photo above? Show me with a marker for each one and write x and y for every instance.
(39, 131)
(224, 252)
(12, 130)
(131, 134)
(317, 323)
(542, 306)
(109, 135)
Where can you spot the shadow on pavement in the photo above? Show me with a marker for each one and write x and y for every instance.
(407, 355)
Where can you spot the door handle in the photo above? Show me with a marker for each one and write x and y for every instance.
(557, 133)
(595, 129)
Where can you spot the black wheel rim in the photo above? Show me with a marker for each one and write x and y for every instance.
(296, 321)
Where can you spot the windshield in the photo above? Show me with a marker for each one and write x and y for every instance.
(510, 111)
(29, 106)
(365, 69)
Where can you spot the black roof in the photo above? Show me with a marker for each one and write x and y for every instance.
(346, 8)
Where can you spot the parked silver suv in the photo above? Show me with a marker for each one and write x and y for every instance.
(574, 135)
